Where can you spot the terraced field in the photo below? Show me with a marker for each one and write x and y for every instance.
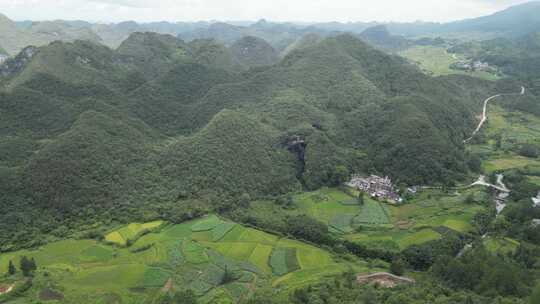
(393, 227)
(340, 211)
(130, 232)
(195, 255)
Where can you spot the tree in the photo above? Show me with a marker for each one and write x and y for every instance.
(306, 228)
(535, 296)
(27, 266)
(469, 199)
(11, 268)
(361, 198)
(369, 297)
(528, 150)
(184, 297)
(339, 175)
(244, 200)
(228, 276)
(33, 265)
(397, 267)
(350, 278)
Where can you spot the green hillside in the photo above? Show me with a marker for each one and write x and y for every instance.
(234, 154)
(98, 160)
(151, 53)
(252, 52)
(211, 53)
(379, 36)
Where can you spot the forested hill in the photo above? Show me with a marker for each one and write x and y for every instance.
(161, 120)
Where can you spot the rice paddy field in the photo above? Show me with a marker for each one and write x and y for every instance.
(388, 226)
(195, 255)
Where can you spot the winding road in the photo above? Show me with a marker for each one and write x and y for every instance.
(484, 112)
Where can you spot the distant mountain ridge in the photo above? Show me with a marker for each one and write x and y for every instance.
(14, 36)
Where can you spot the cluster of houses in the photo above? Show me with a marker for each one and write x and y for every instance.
(474, 66)
(377, 187)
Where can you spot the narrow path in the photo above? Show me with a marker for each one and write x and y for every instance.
(481, 181)
(499, 201)
(484, 112)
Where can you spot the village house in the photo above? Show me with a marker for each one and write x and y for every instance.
(376, 186)
(536, 200)
(3, 58)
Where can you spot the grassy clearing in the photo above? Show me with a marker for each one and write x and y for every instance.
(501, 245)
(419, 237)
(509, 161)
(534, 179)
(458, 225)
(207, 223)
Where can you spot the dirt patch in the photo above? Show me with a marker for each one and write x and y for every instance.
(383, 279)
(168, 286)
(404, 225)
(6, 289)
(48, 294)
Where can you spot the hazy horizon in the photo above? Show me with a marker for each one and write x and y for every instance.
(301, 11)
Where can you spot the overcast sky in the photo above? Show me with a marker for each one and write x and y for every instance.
(275, 10)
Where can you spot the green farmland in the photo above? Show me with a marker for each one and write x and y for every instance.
(130, 232)
(436, 61)
(388, 226)
(505, 132)
(194, 255)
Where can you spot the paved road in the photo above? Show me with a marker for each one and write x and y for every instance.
(484, 112)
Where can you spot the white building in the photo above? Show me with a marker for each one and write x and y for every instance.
(536, 200)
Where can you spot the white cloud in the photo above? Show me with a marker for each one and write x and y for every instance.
(279, 10)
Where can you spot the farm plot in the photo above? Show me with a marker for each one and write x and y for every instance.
(372, 213)
(327, 205)
(195, 255)
(283, 261)
(419, 237)
(418, 221)
(131, 232)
